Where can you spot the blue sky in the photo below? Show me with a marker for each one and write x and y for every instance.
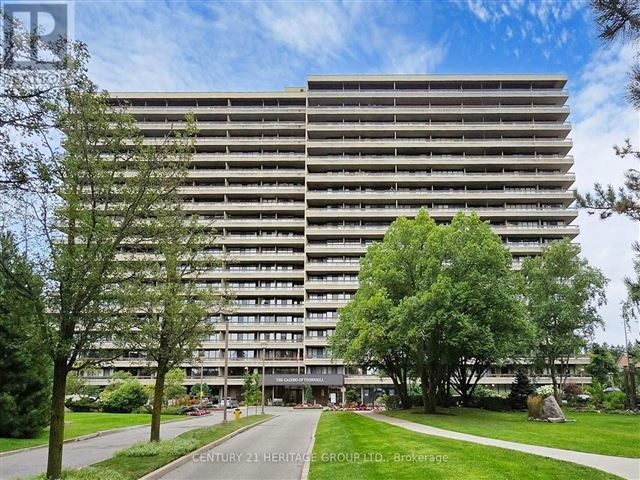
(203, 46)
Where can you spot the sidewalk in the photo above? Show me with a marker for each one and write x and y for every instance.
(96, 449)
(628, 468)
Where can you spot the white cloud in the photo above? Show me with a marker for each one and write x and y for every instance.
(601, 119)
(150, 45)
(478, 9)
(402, 58)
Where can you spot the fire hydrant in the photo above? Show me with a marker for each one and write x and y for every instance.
(236, 414)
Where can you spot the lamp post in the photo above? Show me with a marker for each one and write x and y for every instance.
(226, 367)
(201, 376)
(264, 346)
(246, 400)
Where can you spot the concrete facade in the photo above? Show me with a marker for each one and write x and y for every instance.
(298, 183)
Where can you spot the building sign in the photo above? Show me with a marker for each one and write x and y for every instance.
(304, 379)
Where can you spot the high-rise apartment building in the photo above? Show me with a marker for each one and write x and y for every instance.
(298, 183)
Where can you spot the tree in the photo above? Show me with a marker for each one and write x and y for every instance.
(438, 301)
(178, 313)
(173, 385)
(619, 19)
(352, 395)
(521, 388)
(84, 208)
(25, 374)
(370, 333)
(308, 394)
(563, 294)
(602, 366)
(75, 384)
(483, 300)
(26, 97)
(467, 314)
(251, 390)
(200, 390)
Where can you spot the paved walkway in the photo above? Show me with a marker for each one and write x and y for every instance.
(275, 449)
(86, 452)
(628, 468)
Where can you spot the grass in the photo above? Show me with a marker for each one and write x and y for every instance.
(78, 424)
(347, 435)
(145, 457)
(617, 435)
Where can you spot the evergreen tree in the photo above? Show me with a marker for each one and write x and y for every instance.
(521, 388)
(25, 374)
(602, 366)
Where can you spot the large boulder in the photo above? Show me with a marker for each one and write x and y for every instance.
(551, 411)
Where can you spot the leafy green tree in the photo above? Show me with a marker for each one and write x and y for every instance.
(173, 384)
(251, 390)
(200, 390)
(482, 302)
(308, 394)
(438, 301)
(177, 314)
(563, 294)
(521, 388)
(466, 291)
(87, 210)
(370, 333)
(25, 374)
(75, 384)
(352, 395)
(602, 366)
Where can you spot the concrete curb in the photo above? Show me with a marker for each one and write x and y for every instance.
(87, 437)
(178, 462)
(307, 462)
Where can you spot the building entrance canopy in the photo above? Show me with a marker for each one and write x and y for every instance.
(304, 379)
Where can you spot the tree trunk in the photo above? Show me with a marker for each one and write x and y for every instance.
(158, 393)
(56, 429)
(428, 391)
(403, 392)
(554, 381)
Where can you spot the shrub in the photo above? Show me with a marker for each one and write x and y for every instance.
(176, 447)
(572, 390)
(484, 392)
(172, 410)
(390, 402)
(496, 404)
(125, 398)
(87, 473)
(596, 390)
(544, 390)
(352, 395)
(614, 401)
(534, 405)
(84, 404)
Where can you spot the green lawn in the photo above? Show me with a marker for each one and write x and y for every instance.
(617, 435)
(143, 458)
(350, 434)
(78, 424)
